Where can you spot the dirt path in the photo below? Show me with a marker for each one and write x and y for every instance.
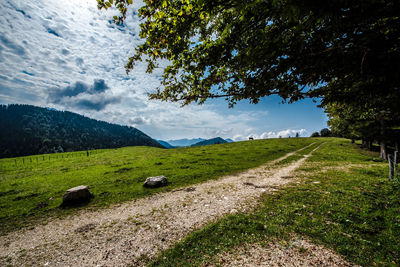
(299, 252)
(121, 235)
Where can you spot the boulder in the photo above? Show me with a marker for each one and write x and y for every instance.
(156, 181)
(76, 195)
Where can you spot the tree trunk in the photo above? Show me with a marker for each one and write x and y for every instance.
(369, 144)
(353, 141)
(383, 153)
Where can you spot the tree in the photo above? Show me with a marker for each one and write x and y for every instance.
(364, 122)
(315, 134)
(345, 51)
(325, 132)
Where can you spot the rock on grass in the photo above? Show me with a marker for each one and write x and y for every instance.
(156, 181)
(76, 195)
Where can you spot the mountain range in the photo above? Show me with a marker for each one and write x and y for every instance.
(184, 142)
(29, 130)
(193, 142)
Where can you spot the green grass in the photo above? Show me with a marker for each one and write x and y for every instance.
(31, 188)
(353, 209)
(298, 155)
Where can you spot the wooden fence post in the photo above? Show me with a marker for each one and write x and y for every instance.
(391, 167)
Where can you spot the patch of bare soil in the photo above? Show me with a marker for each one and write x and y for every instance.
(348, 167)
(300, 252)
(125, 234)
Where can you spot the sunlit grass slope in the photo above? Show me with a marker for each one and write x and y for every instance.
(345, 202)
(31, 188)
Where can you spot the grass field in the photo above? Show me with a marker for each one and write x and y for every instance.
(345, 202)
(31, 188)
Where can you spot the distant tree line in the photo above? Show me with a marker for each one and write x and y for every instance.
(377, 121)
(29, 130)
(325, 132)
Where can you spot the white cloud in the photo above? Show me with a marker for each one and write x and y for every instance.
(284, 133)
(272, 134)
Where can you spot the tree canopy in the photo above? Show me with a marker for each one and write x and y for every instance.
(339, 50)
(345, 52)
(365, 122)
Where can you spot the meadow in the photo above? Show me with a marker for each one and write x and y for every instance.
(344, 201)
(31, 188)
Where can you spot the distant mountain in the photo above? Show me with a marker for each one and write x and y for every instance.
(165, 144)
(213, 141)
(29, 130)
(229, 140)
(185, 142)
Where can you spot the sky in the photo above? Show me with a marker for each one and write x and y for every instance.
(68, 55)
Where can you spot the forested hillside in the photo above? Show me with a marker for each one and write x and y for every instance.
(213, 141)
(28, 130)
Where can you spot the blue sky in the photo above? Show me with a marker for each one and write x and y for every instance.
(68, 55)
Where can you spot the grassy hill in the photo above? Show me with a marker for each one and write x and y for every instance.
(341, 199)
(344, 201)
(32, 187)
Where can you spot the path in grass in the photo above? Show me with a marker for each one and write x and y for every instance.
(31, 193)
(131, 232)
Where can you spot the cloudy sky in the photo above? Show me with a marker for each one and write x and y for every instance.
(68, 55)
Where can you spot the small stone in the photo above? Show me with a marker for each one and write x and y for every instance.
(156, 181)
(190, 189)
(85, 228)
